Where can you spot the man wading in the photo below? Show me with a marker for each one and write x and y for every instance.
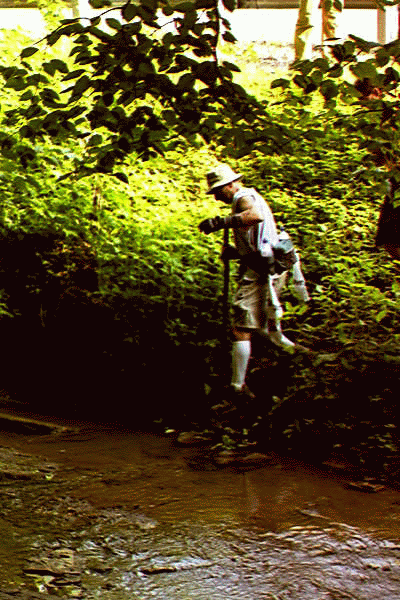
(263, 275)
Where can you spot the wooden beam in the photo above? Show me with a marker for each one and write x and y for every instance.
(381, 31)
(33, 4)
(75, 9)
(26, 3)
(16, 4)
(363, 4)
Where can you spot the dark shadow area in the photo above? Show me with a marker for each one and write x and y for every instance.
(67, 352)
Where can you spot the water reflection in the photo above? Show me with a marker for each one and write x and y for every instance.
(127, 516)
(148, 472)
(291, 494)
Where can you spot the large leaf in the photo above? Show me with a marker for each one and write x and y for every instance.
(26, 52)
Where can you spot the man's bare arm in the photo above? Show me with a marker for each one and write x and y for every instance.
(248, 213)
(245, 216)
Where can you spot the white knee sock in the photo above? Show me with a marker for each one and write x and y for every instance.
(241, 352)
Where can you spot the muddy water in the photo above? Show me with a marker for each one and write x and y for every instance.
(96, 512)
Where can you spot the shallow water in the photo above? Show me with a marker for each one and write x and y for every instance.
(151, 472)
(139, 522)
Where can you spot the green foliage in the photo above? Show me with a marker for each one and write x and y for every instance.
(138, 234)
(341, 395)
(358, 83)
(51, 11)
(134, 249)
(141, 79)
(347, 105)
(144, 79)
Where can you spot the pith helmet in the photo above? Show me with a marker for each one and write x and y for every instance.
(220, 176)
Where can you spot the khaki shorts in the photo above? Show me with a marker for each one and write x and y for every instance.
(256, 305)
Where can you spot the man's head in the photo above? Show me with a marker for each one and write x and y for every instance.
(223, 182)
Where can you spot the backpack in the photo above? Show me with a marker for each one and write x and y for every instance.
(284, 253)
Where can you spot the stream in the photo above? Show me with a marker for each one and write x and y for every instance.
(97, 512)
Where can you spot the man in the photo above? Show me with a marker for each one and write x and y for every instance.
(388, 230)
(256, 303)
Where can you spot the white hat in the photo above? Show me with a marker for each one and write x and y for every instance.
(220, 176)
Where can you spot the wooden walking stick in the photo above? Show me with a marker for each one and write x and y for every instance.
(225, 308)
(225, 297)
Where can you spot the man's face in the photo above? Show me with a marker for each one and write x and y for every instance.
(223, 194)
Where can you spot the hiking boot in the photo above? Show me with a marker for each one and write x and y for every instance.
(245, 392)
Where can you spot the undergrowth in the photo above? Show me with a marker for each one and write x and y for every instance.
(111, 301)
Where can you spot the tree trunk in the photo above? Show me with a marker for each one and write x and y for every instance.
(75, 9)
(302, 42)
(329, 9)
(398, 21)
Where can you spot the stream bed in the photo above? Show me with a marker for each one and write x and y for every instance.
(95, 512)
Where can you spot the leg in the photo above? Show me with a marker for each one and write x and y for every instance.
(246, 308)
(274, 312)
(242, 335)
(241, 352)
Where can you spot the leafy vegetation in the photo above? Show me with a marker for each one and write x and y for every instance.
(135, 80)
(111, 301)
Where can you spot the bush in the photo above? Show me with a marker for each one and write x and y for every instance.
(111, 293)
